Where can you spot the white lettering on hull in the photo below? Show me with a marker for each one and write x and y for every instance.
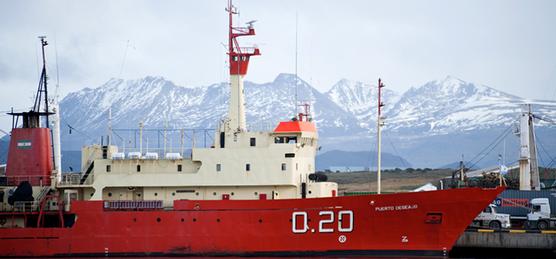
(397, 207)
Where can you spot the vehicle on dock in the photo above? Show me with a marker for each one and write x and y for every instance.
(541, 217)
(489, 218)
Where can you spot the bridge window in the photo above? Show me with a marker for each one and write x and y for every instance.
(291, 140)
(247, 167)
(138, 168)
(108, 168)
(287, 139)
(179, 168)
(218, 167)
(283, 166)
(253, 142)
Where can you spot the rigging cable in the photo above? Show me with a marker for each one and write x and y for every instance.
(296, 80)
(483, 153)
(544, 150)
(71, 128)
(402, 162)
(543, 119)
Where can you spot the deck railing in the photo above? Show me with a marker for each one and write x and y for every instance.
(34, 180)
(74, 179)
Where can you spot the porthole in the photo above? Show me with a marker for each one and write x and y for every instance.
(194, 220)
(155, 194)
(197, 193)
(232, 193)
(214, 193)
(182, 220)
(158, 220)
(173, 194)
(217, 220)
(109, 194)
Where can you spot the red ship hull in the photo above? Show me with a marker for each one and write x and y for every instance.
(424, 223)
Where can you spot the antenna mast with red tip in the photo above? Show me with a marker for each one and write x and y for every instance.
(239, 57)
(239, 61)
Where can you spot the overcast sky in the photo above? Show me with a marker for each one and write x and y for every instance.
(508, 45)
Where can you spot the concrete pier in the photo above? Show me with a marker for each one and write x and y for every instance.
(520, 239)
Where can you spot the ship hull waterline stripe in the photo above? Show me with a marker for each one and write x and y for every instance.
(410, 253)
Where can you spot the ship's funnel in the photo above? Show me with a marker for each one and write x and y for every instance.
(30, 156)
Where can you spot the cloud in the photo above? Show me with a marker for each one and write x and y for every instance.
(498, 43)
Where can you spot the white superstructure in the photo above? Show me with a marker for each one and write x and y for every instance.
(240, 164)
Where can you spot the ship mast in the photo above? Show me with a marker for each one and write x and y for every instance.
(379, 124)
(42, 84)
(528, 164)
(239, 60)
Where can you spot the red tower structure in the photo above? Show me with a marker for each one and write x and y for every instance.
(30, 151)
(239, 56)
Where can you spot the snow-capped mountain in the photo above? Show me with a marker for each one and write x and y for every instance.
(450, 105)
(449, 114)
(360, 99)
(160, 103)
(438, 107)
(152, 100)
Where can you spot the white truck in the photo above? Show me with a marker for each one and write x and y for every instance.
(540, 216)
(489, 218)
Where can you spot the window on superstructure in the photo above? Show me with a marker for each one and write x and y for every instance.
(108, 168)
(138, 168)
(218, 167)
(283, 166)
(253, 142)
(247, 167)
(179, 168)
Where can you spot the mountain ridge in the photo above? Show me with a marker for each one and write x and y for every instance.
(345, 114)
